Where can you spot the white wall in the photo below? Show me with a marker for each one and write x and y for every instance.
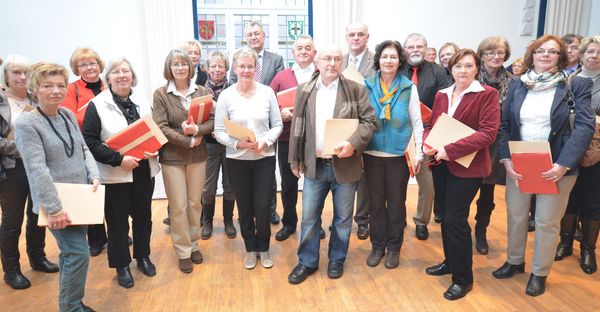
(594, 28)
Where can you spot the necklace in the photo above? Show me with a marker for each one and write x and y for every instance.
(69, 150)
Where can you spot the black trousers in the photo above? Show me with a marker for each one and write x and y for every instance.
(252, 183)
(14, 191)
(457, 194)
(387, 180)
(96, 234)
(584, 199)
(485, 205)
(123, 200)
(289, 186)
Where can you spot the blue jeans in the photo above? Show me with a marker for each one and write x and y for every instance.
(73, 263)
(313, 198)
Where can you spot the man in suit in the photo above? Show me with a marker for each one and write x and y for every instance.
(327, 95)
(429, 78)
(268, 65)
(359, 56)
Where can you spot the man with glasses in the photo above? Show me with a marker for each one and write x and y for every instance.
(429, 78)
(325, 96)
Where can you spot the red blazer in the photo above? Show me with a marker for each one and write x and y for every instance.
(480, 111)
(77, 96)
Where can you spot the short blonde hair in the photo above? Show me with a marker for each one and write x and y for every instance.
(84, 53)
(217, 55)
(177, 54)
(116, 62)
(585, 42)
(244, 51)
(191, 43)
(12, 60)
(42, 70)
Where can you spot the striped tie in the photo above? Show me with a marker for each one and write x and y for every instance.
(258, 72)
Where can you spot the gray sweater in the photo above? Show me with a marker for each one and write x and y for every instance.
(45, 158)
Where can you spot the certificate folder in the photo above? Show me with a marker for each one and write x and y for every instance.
(411, 154)
(351, 73)
(448, 130)
(287, 98)
(141, 136)
(336, 132)
(239, 132)
(200, 109)
(81, 204)
(530, 159)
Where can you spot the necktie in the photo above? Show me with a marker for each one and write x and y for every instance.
(258, 72)
(415, 77)
(356, 63)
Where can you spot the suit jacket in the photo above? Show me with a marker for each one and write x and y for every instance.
(481, 112)
(365, 67)
(271, 64)
(348, 169)
(201, 77)
(567, 145)
(432, 78)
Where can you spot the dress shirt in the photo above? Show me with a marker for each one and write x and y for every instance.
(355, 60)
(325, 104)
(303, 75)
(535, 115)
(475, 86)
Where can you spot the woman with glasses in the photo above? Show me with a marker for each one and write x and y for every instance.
(129, 181)
(183, 158)
(475, 105)
(537, 109)
(251, 163)
(493, 52)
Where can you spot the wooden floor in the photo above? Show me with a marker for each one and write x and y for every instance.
(222, 284)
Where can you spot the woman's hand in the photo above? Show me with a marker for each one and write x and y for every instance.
(260, 146)
(441, 155)
(417, 166)
(59, 221)
(555, 173)
(189, 127)
(148, 155)
(286, 114)
(429, 151)
(95, 184)
(129, 163)
(245, 144)
(510, 171)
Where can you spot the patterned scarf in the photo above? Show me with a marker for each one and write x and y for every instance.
(500, 83)
(544, 81)
(215, 88)
(386, 99)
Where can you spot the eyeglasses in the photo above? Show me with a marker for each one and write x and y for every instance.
(544, 51)
(216, 66)
(414, 47)
(329, 58)
(177, 65)
(85, 65)
(494, 53)
(253, 34)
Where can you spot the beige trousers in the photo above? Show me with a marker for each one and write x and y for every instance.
(426, 196)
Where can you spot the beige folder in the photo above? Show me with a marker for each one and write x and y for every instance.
(353, 74)
(448, 130)
(238, 131)
(336, 132)
(519, 147)
(78, 200)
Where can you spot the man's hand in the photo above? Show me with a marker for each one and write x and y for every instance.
(344, 149)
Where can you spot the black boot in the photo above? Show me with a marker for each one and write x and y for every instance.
(590, 230)
(567, 230)
(536, 285)
(481, 240)
(208, 212)
(227, 218)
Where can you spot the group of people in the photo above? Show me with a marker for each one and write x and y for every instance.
(55, 131)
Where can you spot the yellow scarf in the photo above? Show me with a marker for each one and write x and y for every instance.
(386, 99)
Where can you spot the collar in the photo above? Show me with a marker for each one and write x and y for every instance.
(261, 53)
(333, 84)
(310, 67)
(172, 89)
(474, 87)
(360, 56)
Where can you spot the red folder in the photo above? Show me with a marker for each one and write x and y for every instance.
(287, 98)
(141, 136)
(200, 109)
(425, 113)
(531, 166)
(410, 154)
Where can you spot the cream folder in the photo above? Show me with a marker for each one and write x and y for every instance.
(448, 130)
(336, 132)
(78, 200)
(238, 131)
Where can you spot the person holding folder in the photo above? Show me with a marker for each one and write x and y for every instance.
(53, 150)
(396, 103)
(537, 109)
(251, 163)
(129, 180)
(475, 105)
(183, 158)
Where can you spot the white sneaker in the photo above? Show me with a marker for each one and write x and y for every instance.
(265, 259)
(250, 260)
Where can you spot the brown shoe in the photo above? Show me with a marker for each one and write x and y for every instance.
(196, 257)
(185, 265)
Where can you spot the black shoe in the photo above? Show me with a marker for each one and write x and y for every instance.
(375, 257)
(531, 225)
(438, 269)
(275, 218)
(456, 291)
(124, 277)
(129, 241)
(207, 229)
(300, 273)
(284, 233)
(146, 266)
(392, 259)
(167, 221)
(481, 244)
(507, 270)
(536, 285)
(44, 265)
(437, 218)
(96, 250)
(362, 232)
(322, 233)
(335, 270)
(422, 232)
(16, 280)
(230, 229)
(86, 308)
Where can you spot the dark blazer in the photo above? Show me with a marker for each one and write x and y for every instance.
(271, 64)
(201, 77)
(567, 145)
(481, 112)
(432, 78)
